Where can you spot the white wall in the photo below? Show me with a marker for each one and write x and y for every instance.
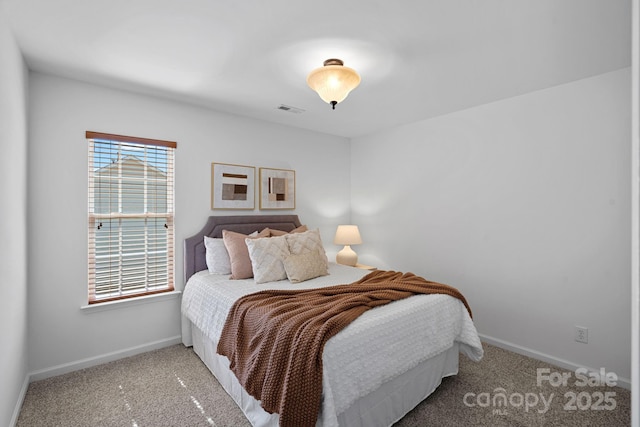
(524, 205)
(635, 212)
(13, 225)
(61, 110)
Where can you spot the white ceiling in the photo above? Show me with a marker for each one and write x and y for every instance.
(417, 58)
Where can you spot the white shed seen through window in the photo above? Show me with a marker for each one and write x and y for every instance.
(131, 203)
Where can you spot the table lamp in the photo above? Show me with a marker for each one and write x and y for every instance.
(347, 235)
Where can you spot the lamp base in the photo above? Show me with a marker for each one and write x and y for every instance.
(347, 256)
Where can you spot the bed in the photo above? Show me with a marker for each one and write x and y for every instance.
(375, 370)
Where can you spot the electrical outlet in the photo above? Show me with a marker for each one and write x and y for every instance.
(582, 334)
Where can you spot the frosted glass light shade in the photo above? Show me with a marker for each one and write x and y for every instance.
(333, 81)
(347, 235)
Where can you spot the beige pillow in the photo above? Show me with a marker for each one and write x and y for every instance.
(274, 232)
(266, 256)
(307, 241)
(238, 253)
(306, 266)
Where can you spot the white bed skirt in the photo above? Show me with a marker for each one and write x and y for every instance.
(382, 407)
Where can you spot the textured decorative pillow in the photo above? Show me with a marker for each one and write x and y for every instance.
(305, 266)
(217, 256)
(307, 241)
(266, 257)
(238, 253)
(300, 229)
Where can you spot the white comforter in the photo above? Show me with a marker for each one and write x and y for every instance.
(376, 347)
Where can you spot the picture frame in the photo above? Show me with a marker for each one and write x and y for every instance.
(277, 188)
(232, 186)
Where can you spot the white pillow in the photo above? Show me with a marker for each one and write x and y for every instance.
(308, 241)
(266, 256)
(217, 256)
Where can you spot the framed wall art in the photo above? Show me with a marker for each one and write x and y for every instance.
(232, 186)
(277, 189)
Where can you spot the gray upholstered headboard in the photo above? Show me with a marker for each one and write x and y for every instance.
(194, 250)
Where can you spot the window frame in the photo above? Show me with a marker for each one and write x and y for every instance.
(120, 291)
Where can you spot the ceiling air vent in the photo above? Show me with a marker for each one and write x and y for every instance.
(290, 109)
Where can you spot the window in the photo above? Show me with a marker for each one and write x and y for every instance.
(131, 237)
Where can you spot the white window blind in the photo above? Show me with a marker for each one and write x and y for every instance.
(131, 204)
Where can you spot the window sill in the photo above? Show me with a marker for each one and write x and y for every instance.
(129, 302)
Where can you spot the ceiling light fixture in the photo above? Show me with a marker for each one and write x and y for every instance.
(333, 81)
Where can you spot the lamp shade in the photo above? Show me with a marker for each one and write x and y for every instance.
(334, 81)
(347, 235)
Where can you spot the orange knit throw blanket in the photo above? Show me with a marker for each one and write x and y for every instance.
(274, 339)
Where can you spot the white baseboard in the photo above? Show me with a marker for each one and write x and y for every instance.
(104, 358)
(21, 396)
(565, 364)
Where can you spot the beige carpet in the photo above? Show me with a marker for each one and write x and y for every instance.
(171, 387)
